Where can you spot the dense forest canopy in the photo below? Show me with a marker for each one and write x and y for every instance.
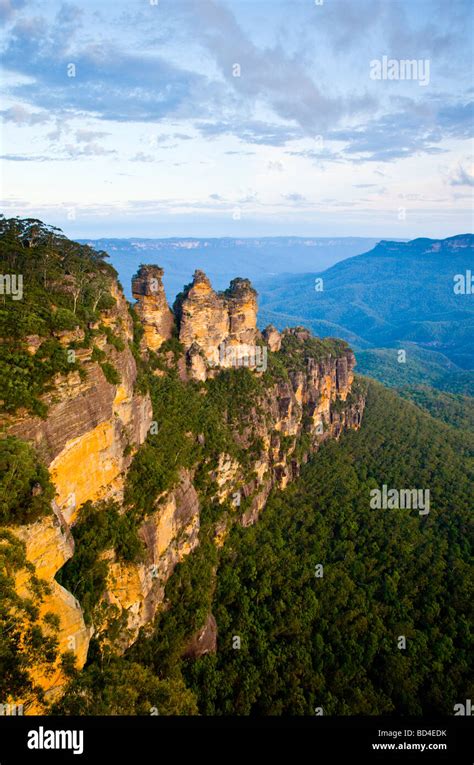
(310, 642)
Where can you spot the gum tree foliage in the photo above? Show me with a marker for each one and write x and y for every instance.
(65, 284)
(26, 491)
(120, 687)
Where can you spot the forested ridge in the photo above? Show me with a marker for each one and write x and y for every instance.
(312, 643)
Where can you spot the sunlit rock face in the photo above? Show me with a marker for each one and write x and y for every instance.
(203, 318)
(241, 299)
(169, 534)
(87, 441)
(221, 327)
(272, 337)
(49, 545)
(156, 317)
(90, 422)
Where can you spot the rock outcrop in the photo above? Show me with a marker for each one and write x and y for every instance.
(272, 337)
(156, 317)
(317, 401)
(217, 330)
(205, 640)
(241, 301)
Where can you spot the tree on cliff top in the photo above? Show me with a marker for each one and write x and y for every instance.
(59, 285)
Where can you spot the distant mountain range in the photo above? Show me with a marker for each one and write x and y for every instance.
(399, 295)
(396, 295)
(224, 258)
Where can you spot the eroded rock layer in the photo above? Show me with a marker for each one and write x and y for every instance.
(87, 441)
(156, 317)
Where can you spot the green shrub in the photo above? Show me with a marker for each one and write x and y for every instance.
(111, 373)
(114, 340)
(100, 527)
(26, 491)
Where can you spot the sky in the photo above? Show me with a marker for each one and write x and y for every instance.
(156, 118)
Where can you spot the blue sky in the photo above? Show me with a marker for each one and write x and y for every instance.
(237, 117)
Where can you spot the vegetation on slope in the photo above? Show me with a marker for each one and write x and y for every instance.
(309, 642)
(64, 287)
(25, 641)
(451, 408)
(101, 527)
(422, 367)
(332, 642)
(26, 490)
(399, 292)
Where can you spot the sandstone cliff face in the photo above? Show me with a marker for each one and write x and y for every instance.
(242, 308)
(155, 315)
(211, 324)
(91, 422)
(313, 402)
(87, 441)
(49, 544)
(169, 534)
(272, 337)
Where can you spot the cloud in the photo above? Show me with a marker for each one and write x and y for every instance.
(402, 134)
(461, 177)
(251, 131)
(108, 81)
(316, 155)
(21, 116)
(160, 140)
(346, 22)
(85, 136)
(8, 8)
(28, 158)
(457, 120)
(275, 165)
(401, 29)
(240, 153)
(88, 150)
(281, 95)
(270, 75)
(294, 197)
(142, 157)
